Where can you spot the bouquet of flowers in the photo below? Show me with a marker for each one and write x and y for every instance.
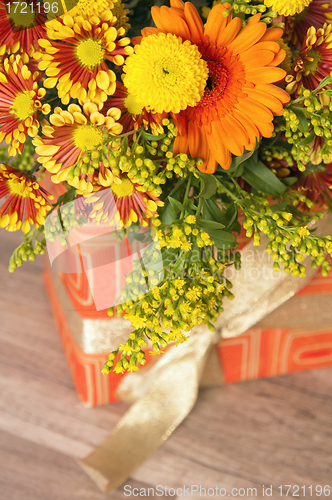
(210, 120)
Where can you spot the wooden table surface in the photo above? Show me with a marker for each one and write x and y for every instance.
(268, 432)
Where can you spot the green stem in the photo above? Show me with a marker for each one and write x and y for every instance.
(199, 208)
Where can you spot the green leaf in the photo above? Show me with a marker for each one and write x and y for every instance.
(191, 206)
(283, 145)
(176, 205)
(222, 239)
(289, 181)
(208, 185)
(262, 178)
(176, 192)
(237, 160)
(209, 224)
(303, 125)
(151, 137)
(214, 212)
(279, 207)
(168, 216)
(231, 214)
(307, 140)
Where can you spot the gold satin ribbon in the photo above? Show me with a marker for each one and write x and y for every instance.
(151, 420)
(166, 392)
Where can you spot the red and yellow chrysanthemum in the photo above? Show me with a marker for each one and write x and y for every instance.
(316, 185)
(20, 99)
(69, 138)
(22, 24)
(239, 100)
(314, 61)
(123, 203)
(133, 115)
(76, 54)
(316, 14)
(25, 202)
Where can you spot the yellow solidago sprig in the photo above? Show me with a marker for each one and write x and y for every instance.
(289, 239)
(190, 293)
(34, 243)
(75, 57)
(72, 142)
(241, 8)
(166, 74)
(20, 101)
(306, 122)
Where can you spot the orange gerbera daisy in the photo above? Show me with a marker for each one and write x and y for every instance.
(70, 144)
(24, 200)
(19, 102)
(75, 56)
(314, 61)
(123, 202)
(133, 115)
(22, 24)
(239, 101)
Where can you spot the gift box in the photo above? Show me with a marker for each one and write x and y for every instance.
(296, 336)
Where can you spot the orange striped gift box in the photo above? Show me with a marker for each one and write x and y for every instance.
(295, 337)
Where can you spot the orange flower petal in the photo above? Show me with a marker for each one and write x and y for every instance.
(216, 22)
(228, 136)
(254, 109)
(272, 35)
(194, 23)
(226, 36)
(253, 58)
(268, 100)
(275, 91)
(177, 4)
(279, 57)
(210, 164)
(248, 37)
(170, 21)
(217, 147)
(194, 135)
(254, 19)
(265, 128)
(265, 75)
(252, 130)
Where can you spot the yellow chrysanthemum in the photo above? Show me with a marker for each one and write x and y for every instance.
(120, 12)
(88, 8)
(287, 7)
(166, 74)
(287, 62)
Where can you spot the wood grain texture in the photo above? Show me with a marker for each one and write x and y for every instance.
(268, 432)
